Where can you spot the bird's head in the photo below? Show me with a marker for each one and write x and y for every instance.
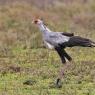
(37, 21)
(41, 25)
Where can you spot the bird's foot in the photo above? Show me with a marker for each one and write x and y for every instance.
(58, 83)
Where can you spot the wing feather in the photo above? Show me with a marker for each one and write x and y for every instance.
(67, 34)
(56, 38)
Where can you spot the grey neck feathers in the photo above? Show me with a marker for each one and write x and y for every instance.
(43, 28)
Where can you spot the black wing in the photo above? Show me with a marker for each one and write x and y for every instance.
(67, 34)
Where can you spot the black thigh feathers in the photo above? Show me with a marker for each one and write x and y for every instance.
(62, 53)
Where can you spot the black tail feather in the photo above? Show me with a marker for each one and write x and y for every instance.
(79, 41)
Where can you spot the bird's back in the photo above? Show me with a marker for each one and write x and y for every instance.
(55, 38)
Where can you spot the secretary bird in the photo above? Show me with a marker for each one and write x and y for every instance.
(60, 40)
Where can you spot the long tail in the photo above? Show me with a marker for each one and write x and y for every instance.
(79, 41)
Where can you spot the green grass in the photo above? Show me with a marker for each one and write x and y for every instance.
(22, 56)
(79, 78)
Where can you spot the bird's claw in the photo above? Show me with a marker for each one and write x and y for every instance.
(58, 83)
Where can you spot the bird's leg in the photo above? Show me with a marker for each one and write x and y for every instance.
(58, 81)
(61, 74)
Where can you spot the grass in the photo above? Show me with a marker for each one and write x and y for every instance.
(22, 56)
(79, 78)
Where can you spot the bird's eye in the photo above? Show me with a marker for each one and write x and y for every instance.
(35, 21)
